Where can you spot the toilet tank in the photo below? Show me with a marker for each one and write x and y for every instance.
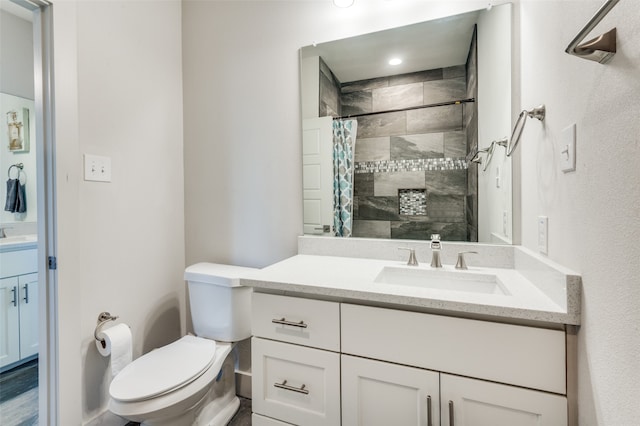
(220, 306)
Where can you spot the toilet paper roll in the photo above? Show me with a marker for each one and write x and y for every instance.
(117, 341)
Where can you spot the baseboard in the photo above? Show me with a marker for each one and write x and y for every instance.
(243, 384)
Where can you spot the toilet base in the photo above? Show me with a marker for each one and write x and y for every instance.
(213, 405)
(223, 416)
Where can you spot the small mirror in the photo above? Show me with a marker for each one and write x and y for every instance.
(397, 125)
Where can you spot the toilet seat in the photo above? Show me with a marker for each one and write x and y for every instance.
(164, 370)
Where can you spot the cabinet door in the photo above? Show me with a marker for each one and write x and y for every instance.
(471, 402)
(29, 338)
(379, 393)
(9, 321)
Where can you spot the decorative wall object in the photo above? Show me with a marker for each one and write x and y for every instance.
(18, 130)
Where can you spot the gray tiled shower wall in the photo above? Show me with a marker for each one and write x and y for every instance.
(438, 132)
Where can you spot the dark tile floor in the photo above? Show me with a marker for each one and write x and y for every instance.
(19, 395)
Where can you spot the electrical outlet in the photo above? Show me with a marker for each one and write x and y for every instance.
(543, 234)
(97, 168)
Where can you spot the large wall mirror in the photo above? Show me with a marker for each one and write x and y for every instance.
(398, 128)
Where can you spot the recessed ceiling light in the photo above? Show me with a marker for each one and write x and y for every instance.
(395, 61)
(343, 3)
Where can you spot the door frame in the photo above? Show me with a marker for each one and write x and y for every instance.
(45, 158)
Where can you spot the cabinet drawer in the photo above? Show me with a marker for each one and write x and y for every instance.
(306, 322)
(18, 262)
(295, 384)
(523, 356)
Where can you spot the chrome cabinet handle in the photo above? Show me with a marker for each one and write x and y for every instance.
(451, 413)
(429, 410)
(26, 293)
(14, 290)
(283, 321)
(285, 386)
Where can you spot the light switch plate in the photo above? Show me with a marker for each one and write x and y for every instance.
(97, 168)
(568, 149)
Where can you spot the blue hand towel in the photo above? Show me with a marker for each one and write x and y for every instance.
(12, 195)
(16, 201)
(21, 205)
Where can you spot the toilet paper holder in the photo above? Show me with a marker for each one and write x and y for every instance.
(103, 318)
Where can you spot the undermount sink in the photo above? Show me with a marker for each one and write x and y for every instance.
(470, 282)
(18, 239)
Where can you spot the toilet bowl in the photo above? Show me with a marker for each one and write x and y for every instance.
(192, 380)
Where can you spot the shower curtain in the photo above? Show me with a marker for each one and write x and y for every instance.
(344, 145)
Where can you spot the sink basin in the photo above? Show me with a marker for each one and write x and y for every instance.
(470, 282)
(18, 239)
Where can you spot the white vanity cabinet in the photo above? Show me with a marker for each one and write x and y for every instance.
(404, 368)
(295, 361)
(18, 306)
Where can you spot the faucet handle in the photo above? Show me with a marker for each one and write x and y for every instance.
(412, 256)
(2, 229)
(461, 264)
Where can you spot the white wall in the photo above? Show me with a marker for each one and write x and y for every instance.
(16, 80)
(120, 244)
(494, 123)
(16, 53)
(242, 153)
(594, 213)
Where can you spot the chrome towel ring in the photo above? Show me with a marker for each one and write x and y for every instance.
(18, 166)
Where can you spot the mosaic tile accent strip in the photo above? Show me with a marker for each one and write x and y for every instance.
(413, 202)
(418, 165)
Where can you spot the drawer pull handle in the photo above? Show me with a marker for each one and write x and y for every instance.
(285, 386)
(15, 299)
(451, 413)
(283, 321)
(429, 423)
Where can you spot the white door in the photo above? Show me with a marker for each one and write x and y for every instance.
(28, 299)
(470, 402)
(9, 325)
(379, 393)
(317, 174)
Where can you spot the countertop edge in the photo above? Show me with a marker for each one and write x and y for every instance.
(445, 306)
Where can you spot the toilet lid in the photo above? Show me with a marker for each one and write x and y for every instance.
(163, 369)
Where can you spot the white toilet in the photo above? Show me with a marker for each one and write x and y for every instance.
(192, 380)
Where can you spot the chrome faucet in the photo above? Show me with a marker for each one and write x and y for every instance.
(435, 251)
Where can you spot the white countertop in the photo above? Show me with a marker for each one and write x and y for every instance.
(18, 242)
(353, 279)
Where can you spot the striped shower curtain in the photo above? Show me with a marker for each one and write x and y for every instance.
(344, 145)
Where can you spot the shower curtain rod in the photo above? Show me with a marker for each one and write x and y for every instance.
(458, 102)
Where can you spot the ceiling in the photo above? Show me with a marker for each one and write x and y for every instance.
(427, 45)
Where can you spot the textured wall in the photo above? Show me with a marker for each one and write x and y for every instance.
(594, 212)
